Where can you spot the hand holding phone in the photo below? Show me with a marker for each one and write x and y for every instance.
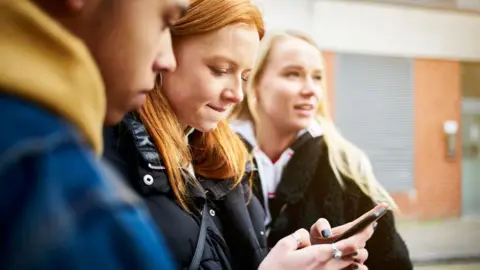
(346, 230)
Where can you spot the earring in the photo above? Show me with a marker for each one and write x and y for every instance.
(76, 5)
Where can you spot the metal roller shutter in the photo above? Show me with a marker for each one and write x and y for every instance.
(374, 110)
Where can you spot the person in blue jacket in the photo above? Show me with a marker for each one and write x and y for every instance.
(68, 68)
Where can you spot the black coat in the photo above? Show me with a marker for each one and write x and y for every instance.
(235, 236)
(309, 190)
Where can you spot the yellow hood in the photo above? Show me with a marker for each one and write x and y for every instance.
(41, 61)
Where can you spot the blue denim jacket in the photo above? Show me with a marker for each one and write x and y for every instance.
(59, 207)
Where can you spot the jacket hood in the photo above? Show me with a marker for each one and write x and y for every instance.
(43, 62)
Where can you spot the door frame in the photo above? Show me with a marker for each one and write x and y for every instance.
(470, 106)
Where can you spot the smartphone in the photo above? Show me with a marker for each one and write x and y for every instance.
(362, 224)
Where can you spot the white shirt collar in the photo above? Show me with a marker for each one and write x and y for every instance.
(270, 173)
(246, 130)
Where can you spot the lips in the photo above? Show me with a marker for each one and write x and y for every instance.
(304, 107)
(218, 109)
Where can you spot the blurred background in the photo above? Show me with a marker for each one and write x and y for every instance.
(404, 85)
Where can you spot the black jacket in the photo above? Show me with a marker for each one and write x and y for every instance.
(309, 190)
(235, 234)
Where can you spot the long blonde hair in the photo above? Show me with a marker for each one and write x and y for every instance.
(219, 154)
(345, 158)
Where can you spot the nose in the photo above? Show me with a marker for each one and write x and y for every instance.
(165, 60)
(310, 88)
(235, 94)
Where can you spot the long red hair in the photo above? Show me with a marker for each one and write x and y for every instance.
(219, 154)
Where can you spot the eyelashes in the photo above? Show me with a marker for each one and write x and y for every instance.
(296, 74)
(218, 72)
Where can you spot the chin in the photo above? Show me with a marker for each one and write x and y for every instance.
(113, 118)
(299, 125)
(205, 127)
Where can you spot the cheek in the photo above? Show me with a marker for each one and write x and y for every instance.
(279, 99)
(143, 49)
(176, 92)
(128, 63)
(187, 91)
(209, 90)
(204, 87)
(141, 36)
(319, 92)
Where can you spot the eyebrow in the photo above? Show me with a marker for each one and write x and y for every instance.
(300, 67)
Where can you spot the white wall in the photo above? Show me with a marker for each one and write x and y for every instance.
(468, 4)
(287, 14)
(397, 30)
(373, 28)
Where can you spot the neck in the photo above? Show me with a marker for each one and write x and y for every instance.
(187, 130)
(273, 141)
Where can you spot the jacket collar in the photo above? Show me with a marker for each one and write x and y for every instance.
(246, 130)
(299, 171)
(151, 163)
(44, 63)
(311, 163)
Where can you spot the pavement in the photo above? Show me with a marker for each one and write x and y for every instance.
(445, 244)
(465, 266)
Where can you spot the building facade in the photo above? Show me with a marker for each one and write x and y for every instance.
(404, 86)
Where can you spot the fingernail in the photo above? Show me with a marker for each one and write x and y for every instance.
(374, 225)
(354, 266)
(326, 234)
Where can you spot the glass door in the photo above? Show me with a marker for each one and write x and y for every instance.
(471, 159)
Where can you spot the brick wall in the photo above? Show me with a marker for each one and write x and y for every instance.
(437, 86)
(437, 95)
